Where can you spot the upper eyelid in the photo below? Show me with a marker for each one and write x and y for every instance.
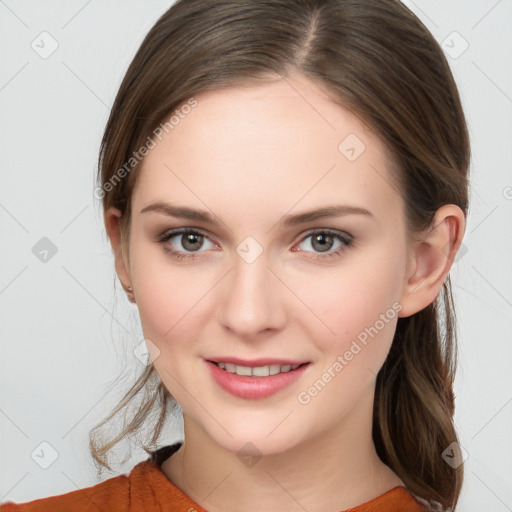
(171, 233)
(332, 231)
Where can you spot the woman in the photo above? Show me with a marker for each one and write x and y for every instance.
(284, 186)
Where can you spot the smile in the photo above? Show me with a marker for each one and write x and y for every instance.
(257, 371)
(257, 381)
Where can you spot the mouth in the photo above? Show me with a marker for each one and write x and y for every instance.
(255, 379)
(262, 370)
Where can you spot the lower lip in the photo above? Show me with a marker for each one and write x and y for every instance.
(254, 387)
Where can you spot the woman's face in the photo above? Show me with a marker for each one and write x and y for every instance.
(266, 285)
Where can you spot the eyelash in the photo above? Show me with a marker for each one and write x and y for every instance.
(347, 241)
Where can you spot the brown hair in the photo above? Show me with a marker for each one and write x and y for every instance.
(385, 66)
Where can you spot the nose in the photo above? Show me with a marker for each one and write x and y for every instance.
(252, 299)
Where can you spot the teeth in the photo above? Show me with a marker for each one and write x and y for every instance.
(274, 369)
(261, 371)
(257, 371)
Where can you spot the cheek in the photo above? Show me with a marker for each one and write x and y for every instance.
(363, 316)
(359, 309)
(167, 295)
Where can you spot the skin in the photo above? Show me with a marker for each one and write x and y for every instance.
(251, 155)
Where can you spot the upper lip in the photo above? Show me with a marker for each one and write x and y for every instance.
(251, 363)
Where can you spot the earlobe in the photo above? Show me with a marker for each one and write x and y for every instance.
(431, 259)
(112, 218)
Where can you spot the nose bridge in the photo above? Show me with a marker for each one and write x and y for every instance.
(252, 298)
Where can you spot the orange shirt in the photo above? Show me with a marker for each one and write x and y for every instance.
(147, 489)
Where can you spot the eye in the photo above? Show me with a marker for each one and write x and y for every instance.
(325, 243)
(187, 243)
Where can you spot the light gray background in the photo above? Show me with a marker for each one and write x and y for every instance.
(66, 335)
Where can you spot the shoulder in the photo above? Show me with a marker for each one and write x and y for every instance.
(140, 490)
(108, 495)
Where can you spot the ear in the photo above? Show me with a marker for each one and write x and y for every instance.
(112, 217)
(431, 258)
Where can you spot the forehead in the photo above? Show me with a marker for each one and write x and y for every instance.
(279, 143)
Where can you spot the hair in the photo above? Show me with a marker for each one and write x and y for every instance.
(382, 64)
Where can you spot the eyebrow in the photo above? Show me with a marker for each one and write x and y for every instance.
(289, 220)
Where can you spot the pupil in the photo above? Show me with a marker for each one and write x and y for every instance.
(322, 240)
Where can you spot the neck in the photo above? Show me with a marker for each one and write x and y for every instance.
(336, 470)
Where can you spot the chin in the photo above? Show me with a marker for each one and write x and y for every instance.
(258, 439)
